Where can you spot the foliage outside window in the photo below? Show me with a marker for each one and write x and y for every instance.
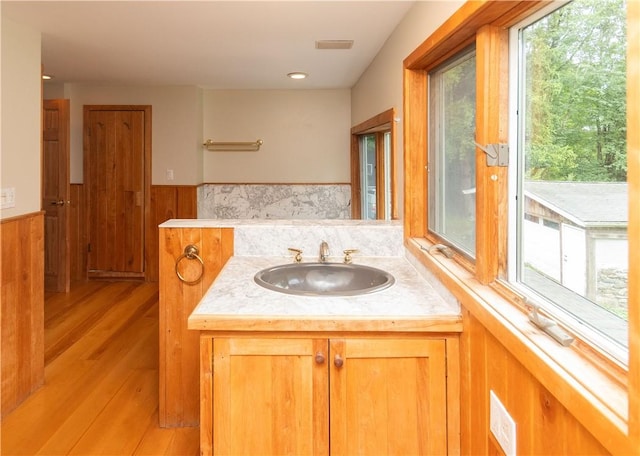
(451, 168)
(570, 236)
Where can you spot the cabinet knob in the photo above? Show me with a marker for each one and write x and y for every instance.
(320, 358)
(338, 361)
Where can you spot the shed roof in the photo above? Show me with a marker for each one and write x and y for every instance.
(585, 203)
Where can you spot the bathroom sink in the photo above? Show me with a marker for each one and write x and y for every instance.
(324, 279)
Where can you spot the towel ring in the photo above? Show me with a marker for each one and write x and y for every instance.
(190, 253)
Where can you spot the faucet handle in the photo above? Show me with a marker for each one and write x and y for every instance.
(347, 255)
(298, 252)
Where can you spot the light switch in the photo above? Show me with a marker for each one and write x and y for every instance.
(169, 174)
(8, 198)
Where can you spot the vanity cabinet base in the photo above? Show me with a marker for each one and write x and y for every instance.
(322, 395)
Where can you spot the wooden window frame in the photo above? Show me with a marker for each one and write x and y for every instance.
(366, 127)
(606, 397)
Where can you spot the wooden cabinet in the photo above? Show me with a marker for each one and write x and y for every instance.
(270, 396)
(388, 396)
(320, 396)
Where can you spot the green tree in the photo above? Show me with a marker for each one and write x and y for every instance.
(575, 89)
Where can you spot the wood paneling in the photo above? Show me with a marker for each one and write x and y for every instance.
(167, 202)
(21, 309)
(588, 395)
(544, 426)
(179, 347)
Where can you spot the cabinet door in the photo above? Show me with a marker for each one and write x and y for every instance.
(270, 396)
(388, 397)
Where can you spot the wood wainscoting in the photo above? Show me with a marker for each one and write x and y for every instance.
(21, 308)
(167, 202)
(179, 388)
(544, 425)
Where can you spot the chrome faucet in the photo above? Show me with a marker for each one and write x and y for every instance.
(324, 252)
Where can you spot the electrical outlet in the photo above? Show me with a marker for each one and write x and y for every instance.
(8, 198)
(169, 174)
(502, 425)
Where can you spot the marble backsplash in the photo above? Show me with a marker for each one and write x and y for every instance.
(274, 201)
(371, 238)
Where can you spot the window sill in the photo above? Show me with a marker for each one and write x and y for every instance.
(589, 391)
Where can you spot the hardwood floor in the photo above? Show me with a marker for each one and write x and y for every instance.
(101, 379)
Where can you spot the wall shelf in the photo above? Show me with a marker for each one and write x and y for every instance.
(218, 146)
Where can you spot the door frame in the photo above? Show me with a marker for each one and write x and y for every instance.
(86, 142)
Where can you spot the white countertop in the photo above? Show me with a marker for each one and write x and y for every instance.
(236, 302)
(235, 223)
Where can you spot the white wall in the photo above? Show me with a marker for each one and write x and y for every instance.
(611, 253)
(176, 125)
(306, 135)
(20, 117)
(380, 86)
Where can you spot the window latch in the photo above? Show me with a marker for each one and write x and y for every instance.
(550, 327)
(497, 154)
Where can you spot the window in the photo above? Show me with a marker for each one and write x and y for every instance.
(372, 165)
(451, 168)
(596, 387)
(368, 176)
(570, 136)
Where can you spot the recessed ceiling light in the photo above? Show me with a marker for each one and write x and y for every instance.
(297, 75)
(46, 77)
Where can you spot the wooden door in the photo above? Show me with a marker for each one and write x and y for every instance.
(117, 145)
(270, 397)
(55, 194)
(388, 397)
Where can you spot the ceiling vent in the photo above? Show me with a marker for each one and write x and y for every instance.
(334, 44)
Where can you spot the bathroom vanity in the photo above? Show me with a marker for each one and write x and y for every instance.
(288, 374)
